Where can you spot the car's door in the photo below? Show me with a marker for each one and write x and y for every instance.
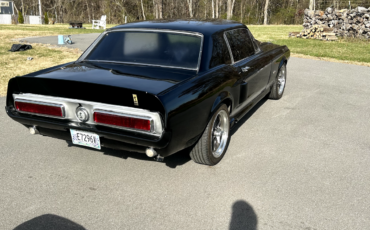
(253, 68)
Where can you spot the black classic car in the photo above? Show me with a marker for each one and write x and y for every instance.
(154, 87)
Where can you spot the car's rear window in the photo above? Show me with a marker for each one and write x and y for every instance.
(149, 48)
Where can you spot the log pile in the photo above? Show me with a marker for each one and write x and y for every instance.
(331, 24)
(316, 32)
(340, 23)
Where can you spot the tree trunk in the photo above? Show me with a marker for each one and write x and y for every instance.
(229, 2)
(160, 8)
(266, 12)
(213, 9)
(190, 3)
(88, 10)
(15, 7)
(232, 9)
(156, 11)
(205, 9)
(40, 9)
(311, 5)
(217, 1)
(22, 9)
(241, 12)
(142, 8)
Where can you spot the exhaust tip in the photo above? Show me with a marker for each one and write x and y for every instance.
(150, 152)
(33, 130)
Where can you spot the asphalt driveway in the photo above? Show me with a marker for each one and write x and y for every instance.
(301, 162)
(80, 41)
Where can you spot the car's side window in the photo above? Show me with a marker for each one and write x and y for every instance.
(240, 43)
(256, 47)
(220, 52)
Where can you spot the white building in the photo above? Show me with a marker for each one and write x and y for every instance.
(6, 11)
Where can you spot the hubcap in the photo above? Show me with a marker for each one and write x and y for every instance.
(281, 80)
(220, 133)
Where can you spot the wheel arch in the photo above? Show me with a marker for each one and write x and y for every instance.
(224, 97)
(283, 61)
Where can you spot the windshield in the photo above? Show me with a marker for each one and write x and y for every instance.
(149, 48)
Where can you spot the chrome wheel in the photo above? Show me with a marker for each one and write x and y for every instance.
(281, 79)
(220, 133)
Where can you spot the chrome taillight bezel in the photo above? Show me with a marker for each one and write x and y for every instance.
(70, 106)
(60, 106)
(124, 115)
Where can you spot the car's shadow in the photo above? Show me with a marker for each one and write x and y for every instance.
(241, 122)
(174, 160)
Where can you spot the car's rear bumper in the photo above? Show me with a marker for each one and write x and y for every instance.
(110, 138)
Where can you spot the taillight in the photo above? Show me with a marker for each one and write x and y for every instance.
(122, 121)
(40, 108)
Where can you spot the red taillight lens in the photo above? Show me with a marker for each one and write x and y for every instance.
(117, 120)
(55, 111)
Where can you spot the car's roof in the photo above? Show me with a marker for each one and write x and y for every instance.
(203, 27)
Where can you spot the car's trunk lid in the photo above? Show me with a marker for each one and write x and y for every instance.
(143, 78)
(103, 83)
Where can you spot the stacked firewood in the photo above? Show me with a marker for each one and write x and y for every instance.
(344, 23)
(316, 32)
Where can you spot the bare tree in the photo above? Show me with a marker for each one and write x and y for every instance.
(229, 2)
(190, 3)
(40, 6)
(265, 21)
(158, 8)
(311, 4)
(88, 10)
(217, 3)
(142, 8)
(22, 9)
(213, 9)
(245, 11)
(230, 8)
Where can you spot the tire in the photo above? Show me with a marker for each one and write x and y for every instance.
(277, 89)
(212, 146)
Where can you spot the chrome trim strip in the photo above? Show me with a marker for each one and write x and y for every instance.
(135, 63)
(228, 47)
(124, 115)
(88, 51)
(70, 106)
(40, 103)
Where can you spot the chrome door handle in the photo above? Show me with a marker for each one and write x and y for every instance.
(245, 69)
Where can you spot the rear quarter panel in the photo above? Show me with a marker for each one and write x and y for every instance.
(278, 55)
(189, 106)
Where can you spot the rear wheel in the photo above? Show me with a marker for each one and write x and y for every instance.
(213, 144)
(278, 87)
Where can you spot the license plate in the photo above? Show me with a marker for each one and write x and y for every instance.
(85, 139)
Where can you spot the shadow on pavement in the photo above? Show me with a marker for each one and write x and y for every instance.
(241, 122)
(243, 217)
(49, 221)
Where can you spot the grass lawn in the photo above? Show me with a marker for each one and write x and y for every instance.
(16, 64)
